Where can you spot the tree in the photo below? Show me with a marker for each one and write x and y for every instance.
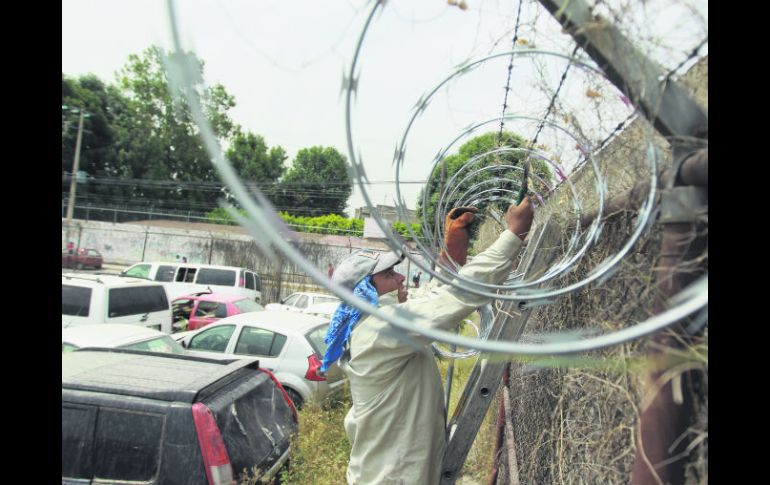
(317, 183)
(250, 157)
(451, 164)
(159, 139)
(90, 94)
(98, 156)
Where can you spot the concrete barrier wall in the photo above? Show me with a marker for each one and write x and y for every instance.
(129, 243)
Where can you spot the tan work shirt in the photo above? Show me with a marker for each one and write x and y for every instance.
(396, 424)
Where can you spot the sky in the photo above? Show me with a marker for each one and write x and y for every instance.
(283, 60)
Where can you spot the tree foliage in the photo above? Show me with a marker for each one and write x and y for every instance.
(144, 151)
(162, 141)
(254, 162)
(481, 144)
(316, 183)
(137, 131)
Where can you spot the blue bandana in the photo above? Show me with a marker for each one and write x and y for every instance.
(345, 318)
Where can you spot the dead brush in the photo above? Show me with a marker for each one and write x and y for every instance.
(576, 418)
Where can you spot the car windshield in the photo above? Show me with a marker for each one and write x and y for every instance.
(163, 344)
(66, 348)
(247, 305)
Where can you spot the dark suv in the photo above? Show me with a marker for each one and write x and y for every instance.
(141, 417)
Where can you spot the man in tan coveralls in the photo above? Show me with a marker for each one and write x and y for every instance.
(396, 425)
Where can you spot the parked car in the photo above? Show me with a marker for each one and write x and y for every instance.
(325, 309)
(185, 278)
(291, 345)
(297, 302)
(130, 416)
(100, 298)
(82, 258)
(120, 336)
(197, 310)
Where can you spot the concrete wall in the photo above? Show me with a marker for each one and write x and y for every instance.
(129, 243)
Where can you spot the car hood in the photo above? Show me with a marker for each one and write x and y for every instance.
(277, 306)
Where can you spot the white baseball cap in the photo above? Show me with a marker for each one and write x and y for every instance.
(363, 263)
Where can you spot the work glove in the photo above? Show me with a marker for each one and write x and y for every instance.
(456, 234)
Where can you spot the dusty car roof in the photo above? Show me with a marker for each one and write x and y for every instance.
(194, 265)
(107, 335)
(215, 297)
(165, 377)
(110, 280)
(325, 307)
(314, 294)
(277, 320)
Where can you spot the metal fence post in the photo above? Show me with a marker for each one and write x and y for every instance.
(144, 247)
(80, 234)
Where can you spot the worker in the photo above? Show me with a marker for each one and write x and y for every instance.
(396, 424)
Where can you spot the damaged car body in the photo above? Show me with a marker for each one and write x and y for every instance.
(132, 416)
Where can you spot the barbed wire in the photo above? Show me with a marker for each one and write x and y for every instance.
(551, 103)
(693, 54)
(261, 218)
(510, 69)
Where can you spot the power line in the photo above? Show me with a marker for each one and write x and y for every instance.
(184, 205)
(261, 184)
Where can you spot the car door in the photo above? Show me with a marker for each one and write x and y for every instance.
(259, 342)
(185, 274)
(77, 438)
(93, 258)
(165, 273)
(195, 322)
(253, 283)
(145, 305)
(300, 304)
(207, 312)
(182, 309)
(212, 339)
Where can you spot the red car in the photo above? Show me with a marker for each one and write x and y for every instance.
(82, 258)
(197, 310)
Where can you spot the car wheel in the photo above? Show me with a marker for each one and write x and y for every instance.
(80, 266)
(295, 397)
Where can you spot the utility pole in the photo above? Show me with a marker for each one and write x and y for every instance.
(73, 176)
